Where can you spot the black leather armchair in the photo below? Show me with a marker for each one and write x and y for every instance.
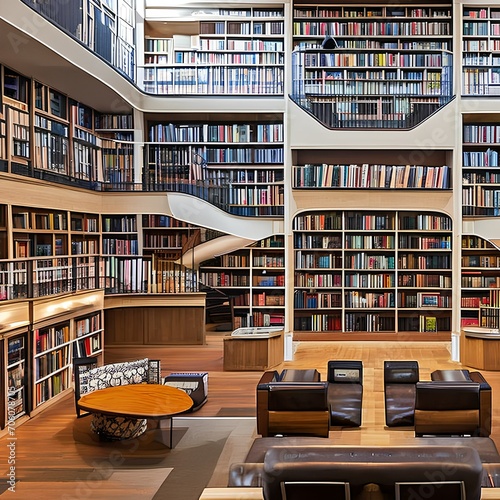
(400, 378)
(345, 393)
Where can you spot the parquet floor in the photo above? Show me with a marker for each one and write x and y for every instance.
(48, 457)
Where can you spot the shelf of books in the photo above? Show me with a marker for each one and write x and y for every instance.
(254, 280)
(16, 373)
(117, 137)
(3, 139)
(88, 340)
(393, 169)
(489, 315)
(119, 235)
(39, 232)
(164, 235)
(236, 165)
(382, 272)
(15, 363)
(480, 168)
(87, 161)
(52, 361)
(395, 58)
(4, 254)
(51, 148)
(84, 233)
(480, 277)
(219, 51)
(480, 47)
(63, 328)
(361, 176)
(16, 114)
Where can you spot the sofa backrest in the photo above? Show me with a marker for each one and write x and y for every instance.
(383, 466)
(298, 396)
(447, 396)
(128, 372)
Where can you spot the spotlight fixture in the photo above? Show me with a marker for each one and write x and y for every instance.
(329, 43)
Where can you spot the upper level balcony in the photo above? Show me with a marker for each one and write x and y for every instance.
(371, 88)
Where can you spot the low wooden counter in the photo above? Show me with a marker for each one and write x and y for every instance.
(253, 351)
(480, 348)
(155, 319)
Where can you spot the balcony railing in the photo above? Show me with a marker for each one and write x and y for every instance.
(47, 276)
(173, 168)
(107, 31)
(371, 89)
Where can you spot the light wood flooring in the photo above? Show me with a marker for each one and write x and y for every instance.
(46, 445)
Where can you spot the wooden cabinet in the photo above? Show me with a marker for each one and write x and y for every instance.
(155, 319)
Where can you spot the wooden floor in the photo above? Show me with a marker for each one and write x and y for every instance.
(45, 445)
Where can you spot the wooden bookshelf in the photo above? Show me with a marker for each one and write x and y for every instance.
(117, 136)
(87, 161)
(4, 253)
(480, 47)
(480, 166)
(119, 235)
(240, 163)
(394, 58)
(378, 272)
(39, 232)
(220, 51)
(85, 234)
(62, 327)
(51, 130)
(254, 280)
(480, 271)
(15, 364)
(88, 338)
(164, 235)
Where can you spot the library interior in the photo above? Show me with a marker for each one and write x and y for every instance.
(264, 195)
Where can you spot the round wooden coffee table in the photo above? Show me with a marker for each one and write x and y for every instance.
(122, 412)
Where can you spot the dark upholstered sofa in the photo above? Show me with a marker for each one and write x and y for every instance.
(381, 468)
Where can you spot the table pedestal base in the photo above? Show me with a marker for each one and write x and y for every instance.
(116, 428)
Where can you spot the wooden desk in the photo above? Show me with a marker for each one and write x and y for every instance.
(258, 352)
(480, 348)
(137, 401)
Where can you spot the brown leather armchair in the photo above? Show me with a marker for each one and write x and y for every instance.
(447, 408)
(291, 408)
